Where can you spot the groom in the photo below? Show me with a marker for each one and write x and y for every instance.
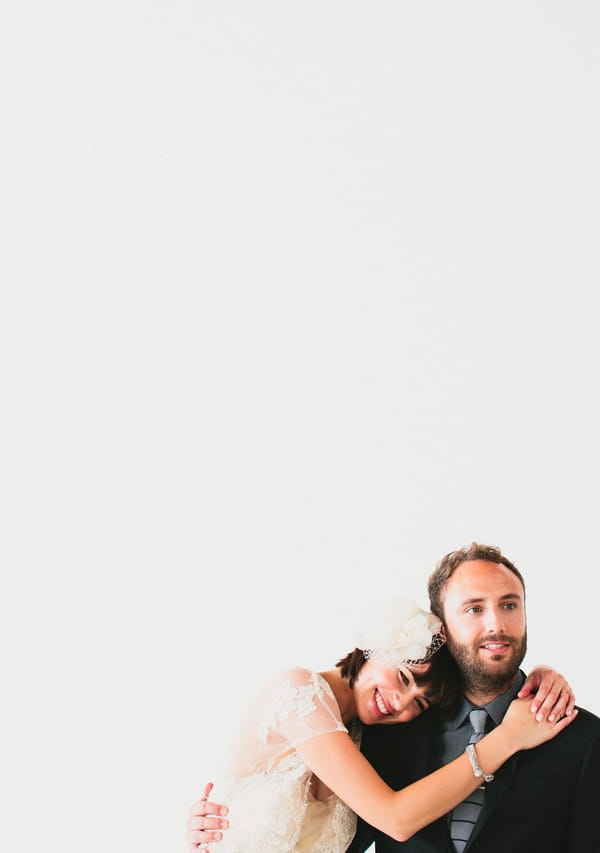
(545, 799)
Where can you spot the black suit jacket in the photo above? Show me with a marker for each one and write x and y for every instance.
(545, 799)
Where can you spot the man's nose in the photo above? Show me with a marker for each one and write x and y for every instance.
(494, 621)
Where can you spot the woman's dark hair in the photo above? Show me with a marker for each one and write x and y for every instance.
(442, 677)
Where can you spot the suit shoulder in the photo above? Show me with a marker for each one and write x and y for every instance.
(581, 737)
(585, 713)
(586, 719)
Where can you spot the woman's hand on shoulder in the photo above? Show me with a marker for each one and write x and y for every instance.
(525, 731)
(552, 695)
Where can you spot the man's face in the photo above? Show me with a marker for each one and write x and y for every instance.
(484, 614)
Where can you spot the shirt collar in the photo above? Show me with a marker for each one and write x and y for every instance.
(496, 708)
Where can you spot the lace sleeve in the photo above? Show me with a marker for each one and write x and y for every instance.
(295, 706)
(301, 706)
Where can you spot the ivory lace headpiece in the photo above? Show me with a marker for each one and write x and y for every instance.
(397, 631)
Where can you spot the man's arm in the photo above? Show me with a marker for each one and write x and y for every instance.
(585, 818)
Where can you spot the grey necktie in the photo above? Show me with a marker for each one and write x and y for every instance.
(464, 816)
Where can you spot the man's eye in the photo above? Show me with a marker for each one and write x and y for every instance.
(510, 605)
(474, 609)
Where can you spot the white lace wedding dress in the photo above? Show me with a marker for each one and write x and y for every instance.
(266, 783)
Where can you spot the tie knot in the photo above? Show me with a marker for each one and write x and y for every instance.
(478, 717)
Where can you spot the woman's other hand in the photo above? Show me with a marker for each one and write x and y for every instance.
(205, 821)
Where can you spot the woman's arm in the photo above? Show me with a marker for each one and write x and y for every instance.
(339, 764)
(552, 697)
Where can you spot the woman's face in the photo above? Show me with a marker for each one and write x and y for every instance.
(385, 694)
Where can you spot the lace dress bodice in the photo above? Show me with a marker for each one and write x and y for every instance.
(266, 784)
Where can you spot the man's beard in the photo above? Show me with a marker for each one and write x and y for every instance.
(479, 676)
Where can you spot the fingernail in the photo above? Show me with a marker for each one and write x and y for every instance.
(539, 717)
(223, 810)
(534, 708)
(223, 824)
(551, 718)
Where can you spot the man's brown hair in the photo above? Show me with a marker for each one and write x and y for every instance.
(448, 564)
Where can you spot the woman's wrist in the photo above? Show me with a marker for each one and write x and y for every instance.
(495, 748)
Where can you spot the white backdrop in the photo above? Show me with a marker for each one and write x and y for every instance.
(297, 297)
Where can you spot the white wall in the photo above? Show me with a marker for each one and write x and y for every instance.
(296, 298)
